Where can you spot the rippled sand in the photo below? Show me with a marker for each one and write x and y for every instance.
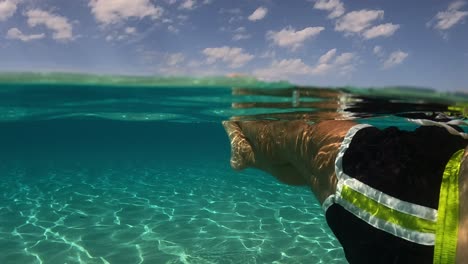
(158, 213)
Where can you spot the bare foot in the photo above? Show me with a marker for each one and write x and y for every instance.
(242, 155)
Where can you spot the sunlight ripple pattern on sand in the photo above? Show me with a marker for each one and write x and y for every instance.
(158, 214)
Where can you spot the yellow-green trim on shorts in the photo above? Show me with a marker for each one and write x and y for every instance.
(447, 222)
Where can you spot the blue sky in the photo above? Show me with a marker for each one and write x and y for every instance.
(317, 42)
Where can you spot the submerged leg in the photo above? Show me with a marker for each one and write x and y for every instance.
(242, 155)
(261, 144)
(295, 152)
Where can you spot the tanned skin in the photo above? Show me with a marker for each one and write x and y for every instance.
(295, 152)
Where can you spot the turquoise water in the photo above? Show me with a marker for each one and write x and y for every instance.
(136, 175)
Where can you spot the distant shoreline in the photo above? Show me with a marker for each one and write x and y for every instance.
(58, 78)
(84, 79)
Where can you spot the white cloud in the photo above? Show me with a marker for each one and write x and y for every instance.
(7, 9)
(335, 7)
(119, 36)
(14, 33)
(344, 58)
(240, 36)
(235, 57)
(358, 21)
(112, 11)
(361, 22)
(456, 5)
(180, 66)
(192, 4)
(378, 51)
(394, 59)
(173, 29)
(383, 30)
(450, 17)
(59, 24)
(174, 59)
(258, 14)
(235, 19)
(188, 4)
(167, 21)
(290, 68)
(341, 64)
(321, 69)
(290, 38)
(283, 69)
(240, 30)
(182, 18)
(130, 30)
(325, 58)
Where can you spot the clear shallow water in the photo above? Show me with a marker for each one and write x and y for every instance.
(99, 220)
(167, 196)
(133, 175)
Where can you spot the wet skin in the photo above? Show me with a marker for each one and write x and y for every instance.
(295, 152)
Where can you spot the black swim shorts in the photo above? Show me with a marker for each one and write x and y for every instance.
(407, 165)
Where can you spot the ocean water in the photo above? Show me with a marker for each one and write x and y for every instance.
(122, 174)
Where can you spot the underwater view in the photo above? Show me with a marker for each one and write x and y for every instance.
(95, 174)
(233, 132)
(140, 174)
